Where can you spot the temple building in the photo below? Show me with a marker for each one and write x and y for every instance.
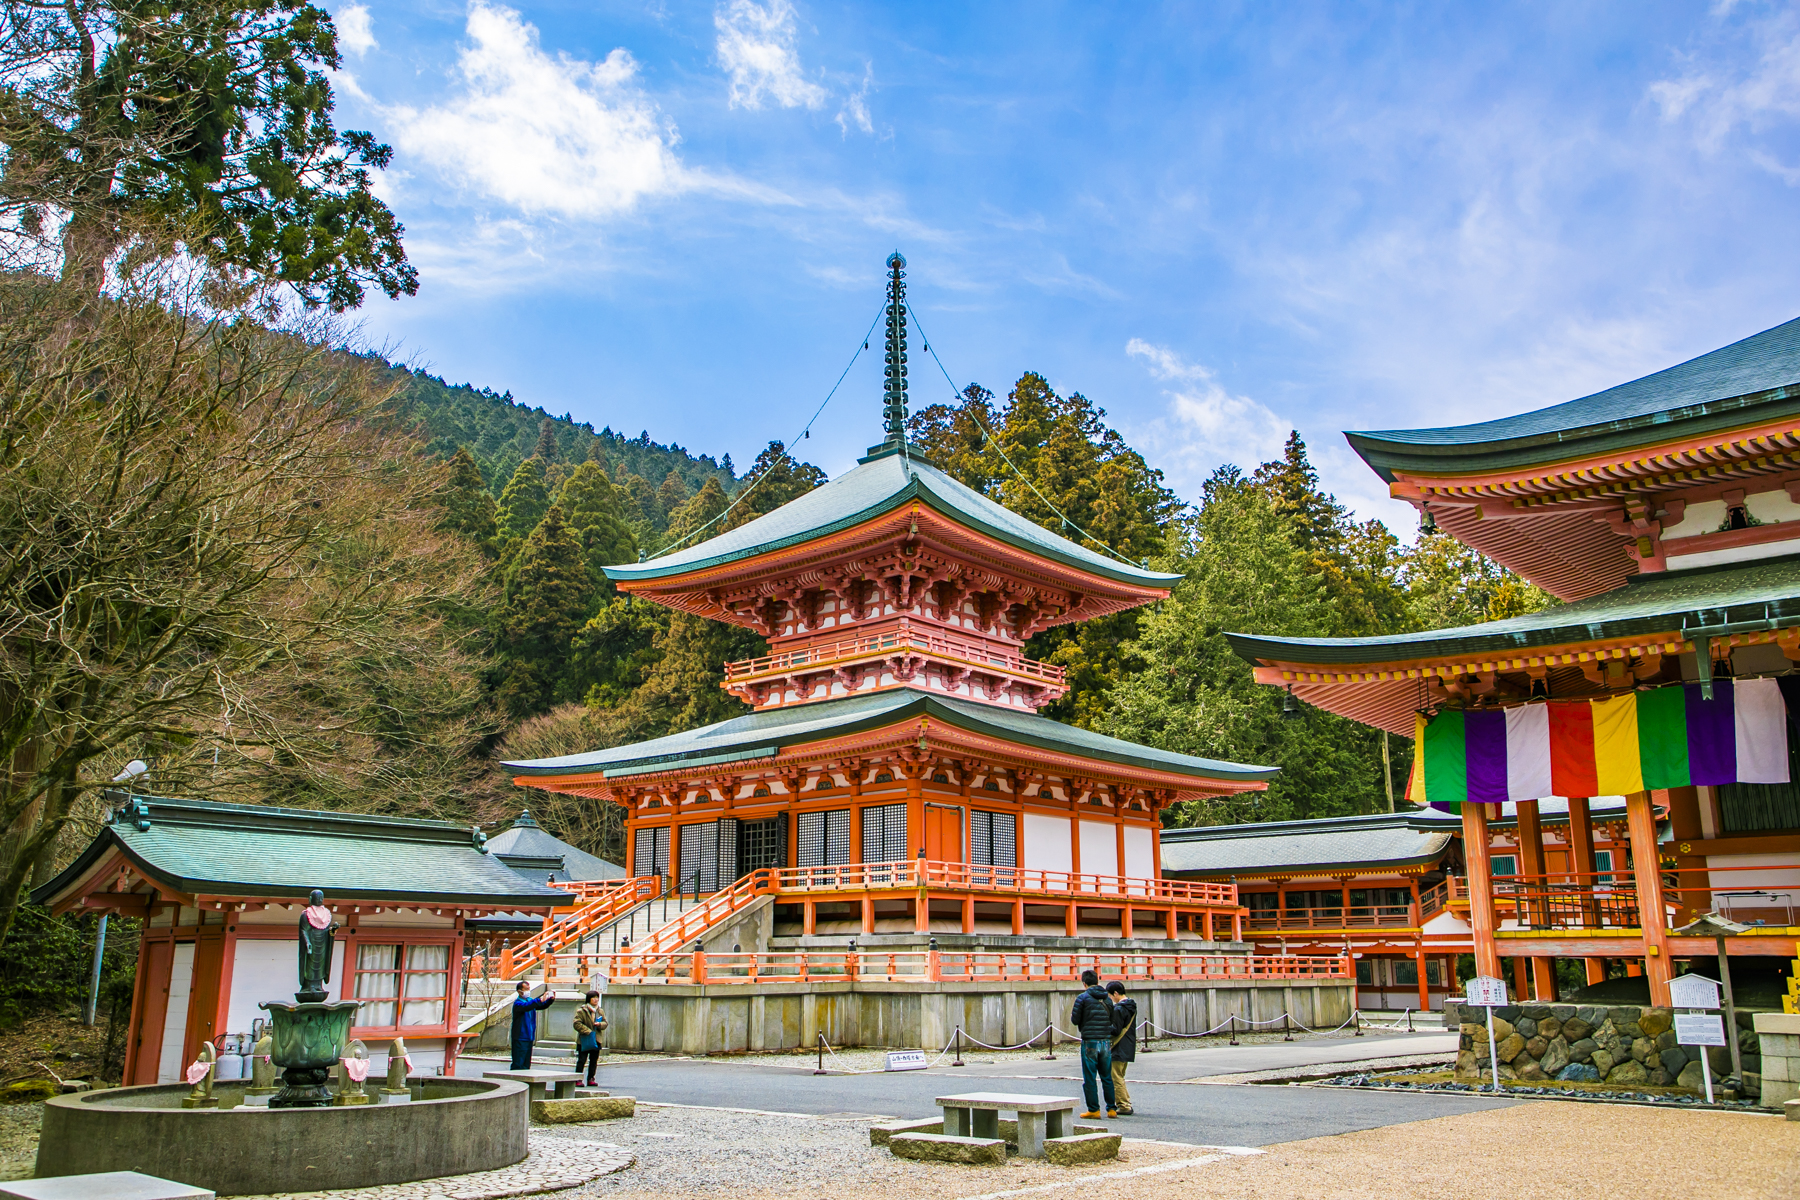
(220, 887)
(1665, 514)
(894, 722)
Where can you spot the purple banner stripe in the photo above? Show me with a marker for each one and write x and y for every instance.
(1484, 741)
(1712, 735)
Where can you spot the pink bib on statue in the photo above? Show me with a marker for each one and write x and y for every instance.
(318, 916)
(356, 1068)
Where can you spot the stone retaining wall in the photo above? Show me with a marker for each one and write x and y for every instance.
(733, 1018)
(1623, 1046)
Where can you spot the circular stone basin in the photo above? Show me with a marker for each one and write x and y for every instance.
(459, 1126)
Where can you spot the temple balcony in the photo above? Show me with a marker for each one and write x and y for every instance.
(1340, 918)
(896, 655)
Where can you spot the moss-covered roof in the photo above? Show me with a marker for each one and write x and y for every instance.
(1752, 380)
(878, 486)
(206, 848)
(765, 734)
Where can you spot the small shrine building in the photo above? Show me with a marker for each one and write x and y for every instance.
(1665, 514)
(219, 889)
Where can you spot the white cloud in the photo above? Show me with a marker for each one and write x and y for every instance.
(1720, 103)
(856, 107)
(1210, 424)
(355, 29)
(545, 135)
(756, 45)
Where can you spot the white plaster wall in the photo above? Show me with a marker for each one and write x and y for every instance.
(181, 990)
(1780, 884)
(260, 970)
(1099, 848)
(1046, 843)
(1140, 852)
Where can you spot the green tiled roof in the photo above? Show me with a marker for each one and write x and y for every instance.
(1755, 379)
(197, 846)
(526, 839)
(1659, 603)
(764, 734)
(879, 486)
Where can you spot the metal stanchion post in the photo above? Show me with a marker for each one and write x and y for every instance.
(1234, 1040)
(821, 1067)
(1356, 1018)
(959, 1061)
(1287, 1033)
(1050, 1036)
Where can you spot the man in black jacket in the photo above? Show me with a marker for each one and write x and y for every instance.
(1124, 1042)
(1093, 1020)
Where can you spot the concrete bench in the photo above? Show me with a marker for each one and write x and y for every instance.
(114, 1185)
(1087, 1148)
(880, 1132)
(540, 1080)
(942, 1147)
(577, 1109)
(977, 1114)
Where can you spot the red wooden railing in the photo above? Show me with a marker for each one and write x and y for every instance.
(955, 876)
(824, 653)
(611, 902)
(920, 966)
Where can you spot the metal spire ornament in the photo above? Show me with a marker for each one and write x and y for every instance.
(894, 390)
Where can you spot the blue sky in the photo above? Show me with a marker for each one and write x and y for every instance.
(1217, 221)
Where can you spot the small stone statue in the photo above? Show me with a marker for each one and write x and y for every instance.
(352, 1071)
(200, 1074)
(317, 931)
(399, 1063)
(262, 1072)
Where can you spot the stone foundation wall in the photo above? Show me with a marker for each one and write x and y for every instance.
(1623, 1047)
(733, 1018)
(1779, 1038)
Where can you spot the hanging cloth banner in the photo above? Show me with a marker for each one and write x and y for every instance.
(1663, 738)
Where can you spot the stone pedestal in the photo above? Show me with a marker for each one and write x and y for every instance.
(308, 1040)
(1779, 1037)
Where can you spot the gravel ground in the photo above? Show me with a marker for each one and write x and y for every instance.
(753, 1156)
(18, 1139)
(1546, 1150)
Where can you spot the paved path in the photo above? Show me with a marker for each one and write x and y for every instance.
(1213, 1114)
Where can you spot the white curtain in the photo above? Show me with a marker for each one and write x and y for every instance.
(427, 984)
(377, 984)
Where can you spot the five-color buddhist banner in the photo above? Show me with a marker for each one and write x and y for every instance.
(1662, 738)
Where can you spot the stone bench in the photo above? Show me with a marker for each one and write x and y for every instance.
(977, 1114)
(880, 1132)
(1085, 1148)
(540, 1081)
(944, 1147)
(114, 1185)
(577, 1109)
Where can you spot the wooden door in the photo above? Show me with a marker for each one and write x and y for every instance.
(943, 833)
(148, 1031)
(203, 1003)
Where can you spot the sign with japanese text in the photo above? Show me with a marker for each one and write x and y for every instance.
(1693, 991)
(1699, 1029)
(1485, 991)
(906, 1060)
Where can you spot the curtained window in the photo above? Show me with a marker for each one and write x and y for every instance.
(402, 984)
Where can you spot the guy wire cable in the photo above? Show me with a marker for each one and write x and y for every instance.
(788, 449)
(989, 434)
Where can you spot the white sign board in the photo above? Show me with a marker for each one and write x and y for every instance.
(1485, 991)
(1699, 1029)
(906, 1060)
(1693, 991)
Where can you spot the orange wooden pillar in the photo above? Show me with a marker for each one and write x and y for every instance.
(1125, 925)
(1069, 919)
(1481, 888)
(1172, 924)
(1581, 852)
(968, 914)
(868, 913)
(809, 919)
(1521, 969)
(1641, 820)
(1424, 984)
(1543, 979)
(1018, 918)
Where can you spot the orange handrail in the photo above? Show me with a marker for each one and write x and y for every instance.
(612, 903)
(981, 877)
(922, 966)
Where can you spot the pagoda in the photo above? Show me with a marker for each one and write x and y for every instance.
(893, 750)
(1665, 513)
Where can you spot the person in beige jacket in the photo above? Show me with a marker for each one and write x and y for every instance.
(589, 1020)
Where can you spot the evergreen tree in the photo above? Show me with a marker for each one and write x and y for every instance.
(953, 437)
(546, 442)
(775, 478)
(670, 495)
(468, 505)
(524, 502)
(547, 600)
(596, 512)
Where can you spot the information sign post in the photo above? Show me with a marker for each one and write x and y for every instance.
(1489, 993)
(1701, 1028)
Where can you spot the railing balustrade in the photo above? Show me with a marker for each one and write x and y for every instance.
(981, 877)
(903, 637)
(919, 966)
(1357, 916)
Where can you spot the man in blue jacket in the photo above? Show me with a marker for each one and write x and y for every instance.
(524, 1025)
(1092, 1018)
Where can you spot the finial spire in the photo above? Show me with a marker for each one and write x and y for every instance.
(894, 392)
